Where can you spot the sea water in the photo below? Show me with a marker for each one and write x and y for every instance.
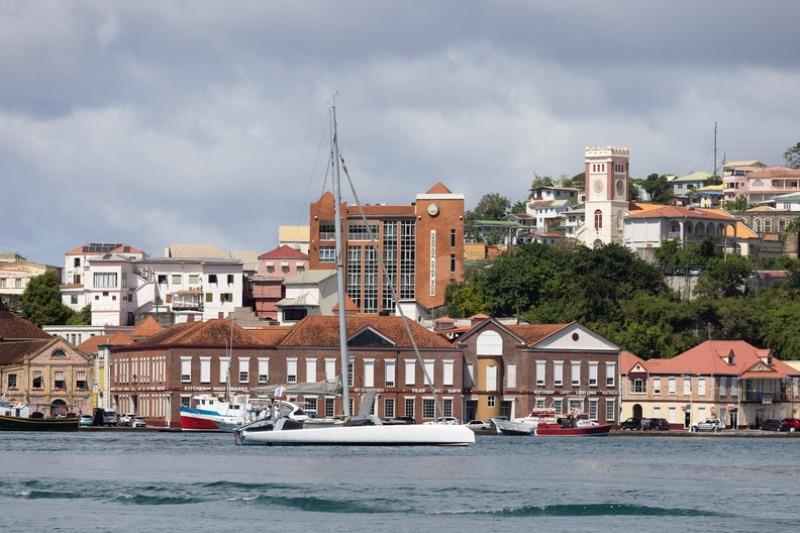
(118, 481)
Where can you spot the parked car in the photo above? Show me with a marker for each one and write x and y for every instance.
(125, 420)
(709, 424)
(655, 424)
(110, 418)
(137, 422)
(775, 424)
(631, 424)
(447, 420)
(478, 424)
(85, 421)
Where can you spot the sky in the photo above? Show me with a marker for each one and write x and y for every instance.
(193, 121)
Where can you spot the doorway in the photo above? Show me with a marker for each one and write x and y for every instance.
(58, 408)
(470, 410)
(637, 411)
(687, 420)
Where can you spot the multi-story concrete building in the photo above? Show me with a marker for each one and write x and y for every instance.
(734, 177)
(267, 284)
(76, 267)
(731, 380)
(15, 276)
(607, 180)
(421, 244)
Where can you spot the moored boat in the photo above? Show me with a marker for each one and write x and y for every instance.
(214, 414)
(17, 418)
(510, 427)
(572, 426)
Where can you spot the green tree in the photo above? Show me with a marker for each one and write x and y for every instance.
(725, 279)
(634, 192)
(541, 181)
(519, 208)
(41, 301)
(713, 180)
(792, 156)
(492, 206)
(82, 317)
(737, 204)
(463, 300)
(658, 188)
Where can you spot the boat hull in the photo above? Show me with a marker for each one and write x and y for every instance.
(400, 435)
(506, 427)
(198, 420)
(18, 423)
(555, 430)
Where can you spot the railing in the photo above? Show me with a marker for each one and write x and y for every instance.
(764, 397)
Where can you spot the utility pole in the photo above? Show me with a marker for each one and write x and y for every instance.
(715, 148)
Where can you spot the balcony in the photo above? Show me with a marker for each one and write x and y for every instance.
(186, 300)
(764, 397)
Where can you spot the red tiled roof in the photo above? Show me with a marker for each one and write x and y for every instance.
(15, 351)
(271, 335)
(349, 305)
(283, 252)
(674, 211)
(628, 360)
(533, 333)
(15, 327)
(147, 327)
(479, 316)
(775, 172)
(710, 357)
(216, 332)
(92, 344)
(323, 331)
(439, 188)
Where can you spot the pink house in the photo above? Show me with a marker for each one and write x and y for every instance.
(762, 184)
(267, 285)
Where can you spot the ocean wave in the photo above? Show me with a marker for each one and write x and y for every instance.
(596, 509)
(148, 499)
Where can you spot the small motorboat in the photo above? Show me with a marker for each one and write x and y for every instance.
(18, 418)
(573, 426)
(524, 425)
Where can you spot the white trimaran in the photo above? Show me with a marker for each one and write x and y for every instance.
(364, 430)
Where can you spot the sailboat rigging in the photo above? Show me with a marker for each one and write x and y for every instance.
(366, 429)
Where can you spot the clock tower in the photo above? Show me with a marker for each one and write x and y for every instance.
(606, 187)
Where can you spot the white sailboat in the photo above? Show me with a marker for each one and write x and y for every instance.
(364, 430)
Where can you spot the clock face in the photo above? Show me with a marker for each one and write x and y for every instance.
(620, 187)
(598, 185)
(433, 210)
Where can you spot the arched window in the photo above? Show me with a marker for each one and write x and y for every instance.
(598, 219)
(782, 225)
(699, 229)
(58, 352)
(757, 224)
(767, 225)
(674, 227)
(688, 227)
(490, 343)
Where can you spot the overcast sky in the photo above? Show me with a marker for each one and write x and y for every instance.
(160, 122)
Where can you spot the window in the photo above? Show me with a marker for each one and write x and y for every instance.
(701, 386)
(212, 278)
(186, 401)
(162, 279)
(58, 353)
(592, 409)
(409, 407)
(491, 378)
(593, 374)
(388, 408)
(209, 297)
(329, 407)
(511, 375)
(294, 315)
(362, 232)
(369, 373)
(205, 370)
(263, 370)
(558, 373)
(389, 374)
(723, 386)
(350, 377)
(452, 238)
(58, 380)
(177, 279)
(656, 412)
(73, 299)
(224, 367)
(226, 297)
(230, 282)
(186, 369)
(540, 373)
(558, 405)
(671, 386)
(330, 369)
(671, 415)
(327, 231)
(310, 406)
(539, 403)
(447, 407)
(311, 370)
(701, 413)
(575, 373)
(598, 219)
(291, 371)
(657, 385)
(469, 378)
(735, 386)
(428, 408)
(452, 263)
(611, 407)
(575, 406)
(76, 262)
(105, 280)
(194, 279)
(639, 386)
(687, 386)
(490, 401)
(327, 254)
(37, 379)
(244, 370)
(410, 370)
(12, 381)
(429, 379)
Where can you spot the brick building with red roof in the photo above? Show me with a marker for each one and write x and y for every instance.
(727, 379)
(266, 286)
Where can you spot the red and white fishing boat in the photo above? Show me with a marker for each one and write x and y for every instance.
(210, 413)
(572, 426)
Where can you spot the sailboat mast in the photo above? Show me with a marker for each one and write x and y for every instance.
(337, 224)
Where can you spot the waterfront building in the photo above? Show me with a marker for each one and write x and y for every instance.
(274, 267)
(513, 369)
(45, 372)
(731, 380)
(422, 246)
(15, 276)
